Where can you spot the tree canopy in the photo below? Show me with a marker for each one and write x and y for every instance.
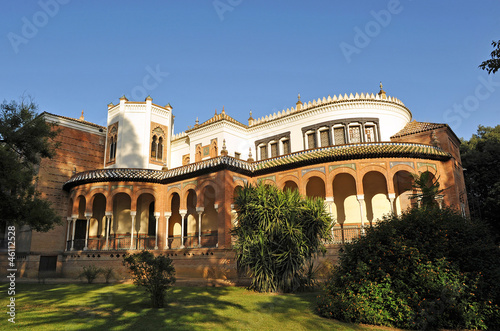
(277, 233)
(492, 65)
(25, 138)
(480, 159)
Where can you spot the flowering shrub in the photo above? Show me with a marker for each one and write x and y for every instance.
(429, 268)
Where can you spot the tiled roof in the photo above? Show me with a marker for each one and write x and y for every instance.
(417, 127)
(76, 120)
(312, 156)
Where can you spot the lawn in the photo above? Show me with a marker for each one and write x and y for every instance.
(124, 307)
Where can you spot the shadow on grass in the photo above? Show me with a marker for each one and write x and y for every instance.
(291, 307)
(97, 306)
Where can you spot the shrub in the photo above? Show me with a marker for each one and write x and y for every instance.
(155, 274)
(90, 272)
(277, 233)
(428, 268)
(108, 273)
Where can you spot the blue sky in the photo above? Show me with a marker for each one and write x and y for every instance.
(73, 55)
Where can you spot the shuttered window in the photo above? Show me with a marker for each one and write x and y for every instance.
(286, 146)
(325, 138)
(311, 140)
(274, 150)
(339, 136)
(263, 152)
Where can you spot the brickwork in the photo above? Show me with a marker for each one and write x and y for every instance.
(77, 151)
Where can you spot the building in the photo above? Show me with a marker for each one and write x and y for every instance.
(135, 184)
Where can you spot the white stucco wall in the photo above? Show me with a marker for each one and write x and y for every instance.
(133, 148)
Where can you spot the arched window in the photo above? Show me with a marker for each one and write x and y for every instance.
(157, 144)
(154, 146)
(111, 141)
(160, 149)
(113, 148)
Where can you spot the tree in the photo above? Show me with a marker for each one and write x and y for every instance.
(480, 158)
(427, 187)
(155, 274)
(277, 233)
(492, 65)
(429, 268)
(25, 138)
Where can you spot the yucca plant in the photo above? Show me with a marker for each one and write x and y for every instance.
(277, 233)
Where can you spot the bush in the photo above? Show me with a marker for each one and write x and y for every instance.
(428, 268)
(90, 272)
(155, 274)
(108, 273)
(277, 234)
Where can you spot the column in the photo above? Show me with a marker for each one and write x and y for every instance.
(392, 197)
(132, 215)
(167, 217)
(216, 207)
(439, 199)
(157, 216)
(74, 217)
(361, 199)
(68, 219)
(329, 204)
(363, 138)
(234, 215)
(108, 224)
(199, 210)
(183, 213)
(87, 216)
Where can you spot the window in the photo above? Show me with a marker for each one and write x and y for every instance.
(324, 137)
(274, 149)
(370, 133)
(160, 148)
(354, 134)
(311, 140)
(286, 146)
(48, 263)
(112, 139)
(113, 149)
(275, 145)
(263, 152)
(338, 134)
(154, 147)
(157, 144)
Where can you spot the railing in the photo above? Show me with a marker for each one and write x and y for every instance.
(142, 242)
(345, 234)
(96, 244)
(207, 240)
(118, 243)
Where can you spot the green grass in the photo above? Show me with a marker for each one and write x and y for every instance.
(126, 307)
